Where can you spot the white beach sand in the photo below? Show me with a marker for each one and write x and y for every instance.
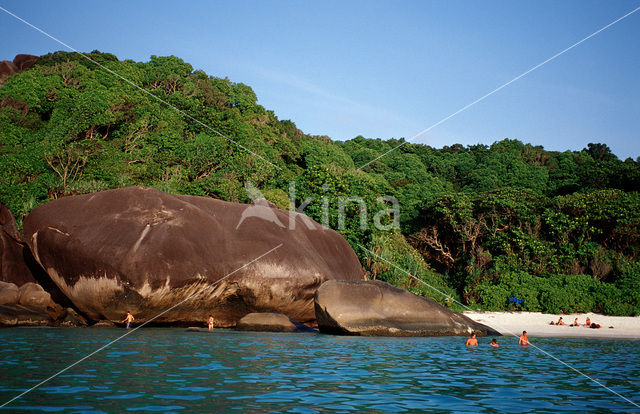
(537, 324)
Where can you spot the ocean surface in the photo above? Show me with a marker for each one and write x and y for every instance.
(173, 370)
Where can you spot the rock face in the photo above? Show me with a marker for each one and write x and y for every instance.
(374, 308)
(29, 295)
(22, 300)
(270, 322)
(145, 251)
(13, 266)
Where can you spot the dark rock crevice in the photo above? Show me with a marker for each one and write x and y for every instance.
(27, 294)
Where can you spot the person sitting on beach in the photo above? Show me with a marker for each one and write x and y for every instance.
(494, 343)
(472, 341)
(588, 323)
(561, 322)
(128, 319)
(575, 322)
(211, 322)
(524, 341)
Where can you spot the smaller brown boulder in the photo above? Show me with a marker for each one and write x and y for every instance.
(23, 61)
(269, 322)
(195, 329)
(375, 308)
(32, 294)
(9, 293)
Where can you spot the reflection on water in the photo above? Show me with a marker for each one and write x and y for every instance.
(171, 370)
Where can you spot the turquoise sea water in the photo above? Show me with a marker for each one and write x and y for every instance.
(172, 370)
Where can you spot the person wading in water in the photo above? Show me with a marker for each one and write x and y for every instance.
(129, 318)
(524, 341)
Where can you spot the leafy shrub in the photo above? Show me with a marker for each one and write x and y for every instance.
(557, 294)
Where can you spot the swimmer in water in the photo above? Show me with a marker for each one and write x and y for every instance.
(494, 343)
(524, 341)
(472, 341)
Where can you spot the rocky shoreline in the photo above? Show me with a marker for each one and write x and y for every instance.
(174, 260)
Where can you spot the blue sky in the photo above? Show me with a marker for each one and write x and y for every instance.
(384, 69)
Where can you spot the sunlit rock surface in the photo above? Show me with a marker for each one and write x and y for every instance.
(375, 308)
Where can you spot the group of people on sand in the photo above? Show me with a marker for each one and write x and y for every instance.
(473, 341)
(587, 323)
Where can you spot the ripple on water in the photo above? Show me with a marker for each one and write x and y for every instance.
(123, 396)
(168, 370)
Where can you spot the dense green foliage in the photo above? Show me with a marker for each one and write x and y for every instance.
(480, 224)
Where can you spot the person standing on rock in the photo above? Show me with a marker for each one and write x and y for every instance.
(472, 341)
(129, 319)
(211, 322)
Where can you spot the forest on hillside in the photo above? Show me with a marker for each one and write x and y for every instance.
(479, 223)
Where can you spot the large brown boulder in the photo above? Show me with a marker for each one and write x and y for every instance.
(375, 308)
(142, 250)
(9, 293)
